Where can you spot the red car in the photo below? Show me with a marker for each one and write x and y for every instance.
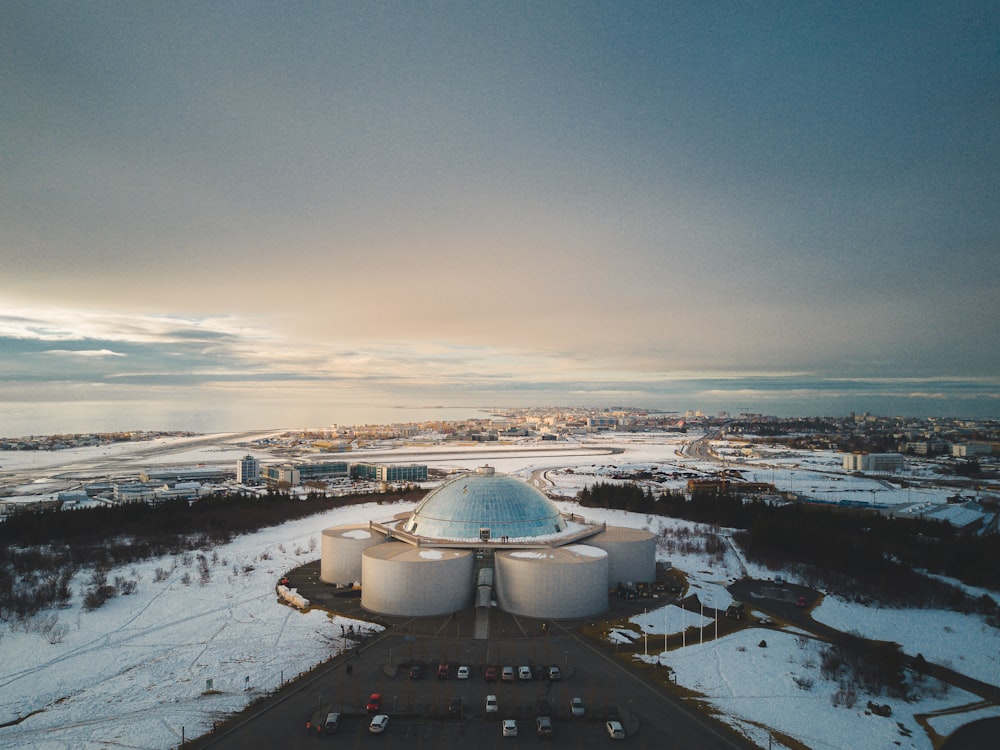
(491, 674)
(442, 671)
(374, 703)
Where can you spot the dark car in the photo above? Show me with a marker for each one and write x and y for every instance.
(416, 672)
(442, 672)
(491, 674)
(543, 727)
(455, 706)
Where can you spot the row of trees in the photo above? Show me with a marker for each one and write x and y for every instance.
(857, 551)
(40, 552)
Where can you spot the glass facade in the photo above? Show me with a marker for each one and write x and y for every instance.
(475, 505)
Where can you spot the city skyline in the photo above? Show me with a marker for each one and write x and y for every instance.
(318, 207)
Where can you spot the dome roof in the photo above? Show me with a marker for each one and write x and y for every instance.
(462, 507)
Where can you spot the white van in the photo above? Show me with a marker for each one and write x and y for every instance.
(332, 723)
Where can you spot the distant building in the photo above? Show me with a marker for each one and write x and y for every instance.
(390, 472)
(248, 470)
(285, 474)
(134, 493)
(873, 462)
(191, 474)
(324, 469)
(964, 450)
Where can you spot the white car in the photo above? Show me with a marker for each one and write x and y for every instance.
(576, 707)
(379, 723)
(463, 673)
(524, 673)
(507, 674)
(510, 727)
(615, 730)
(491, 704)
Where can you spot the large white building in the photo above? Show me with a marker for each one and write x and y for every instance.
(485, 537)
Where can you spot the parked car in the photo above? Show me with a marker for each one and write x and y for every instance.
(507, 674)
(510, 727)
(491, 704)
(332, 723)
(491, 674)
(416, 672)
(800, 602)
(463, 673)
(442, 672)
(543, 727)
(524, 673)
(379, 723)
(374, 704)
(542, 707)
(455, 706)
(554, 673)
(615, 730)
(576, 707)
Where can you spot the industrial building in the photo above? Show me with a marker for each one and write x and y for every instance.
(481, 538)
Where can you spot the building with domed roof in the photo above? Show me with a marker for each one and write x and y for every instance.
(481, 538)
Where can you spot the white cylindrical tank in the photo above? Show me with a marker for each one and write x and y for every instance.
(559, 583)
(340, 552)
(631, 554)
(400, 579)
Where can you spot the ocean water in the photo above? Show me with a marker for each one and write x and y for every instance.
(206, 411)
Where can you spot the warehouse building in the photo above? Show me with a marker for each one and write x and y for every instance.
(481, 538)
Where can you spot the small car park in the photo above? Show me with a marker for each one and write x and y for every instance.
(524, 672)
(491, 674)
(374, 704)
(463, 673)
(332, 723)
(442, 672)
(576, 707)
(379, 724)
(510, 728)
(615, 730)
(491, 704)
(543, 727)
(507, 674)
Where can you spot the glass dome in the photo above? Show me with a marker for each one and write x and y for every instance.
(483, 502)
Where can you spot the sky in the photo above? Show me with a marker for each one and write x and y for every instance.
(780, 207)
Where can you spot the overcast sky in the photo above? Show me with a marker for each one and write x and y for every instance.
(548, 201)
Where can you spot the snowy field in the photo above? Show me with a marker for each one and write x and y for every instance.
(89, 680)
(135, 671)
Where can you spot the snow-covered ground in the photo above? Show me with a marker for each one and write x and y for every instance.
(89, 679)
(137, 670)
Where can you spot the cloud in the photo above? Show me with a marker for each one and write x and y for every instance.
(84, 353)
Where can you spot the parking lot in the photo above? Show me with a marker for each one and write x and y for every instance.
(434, 709)
(418, 708)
